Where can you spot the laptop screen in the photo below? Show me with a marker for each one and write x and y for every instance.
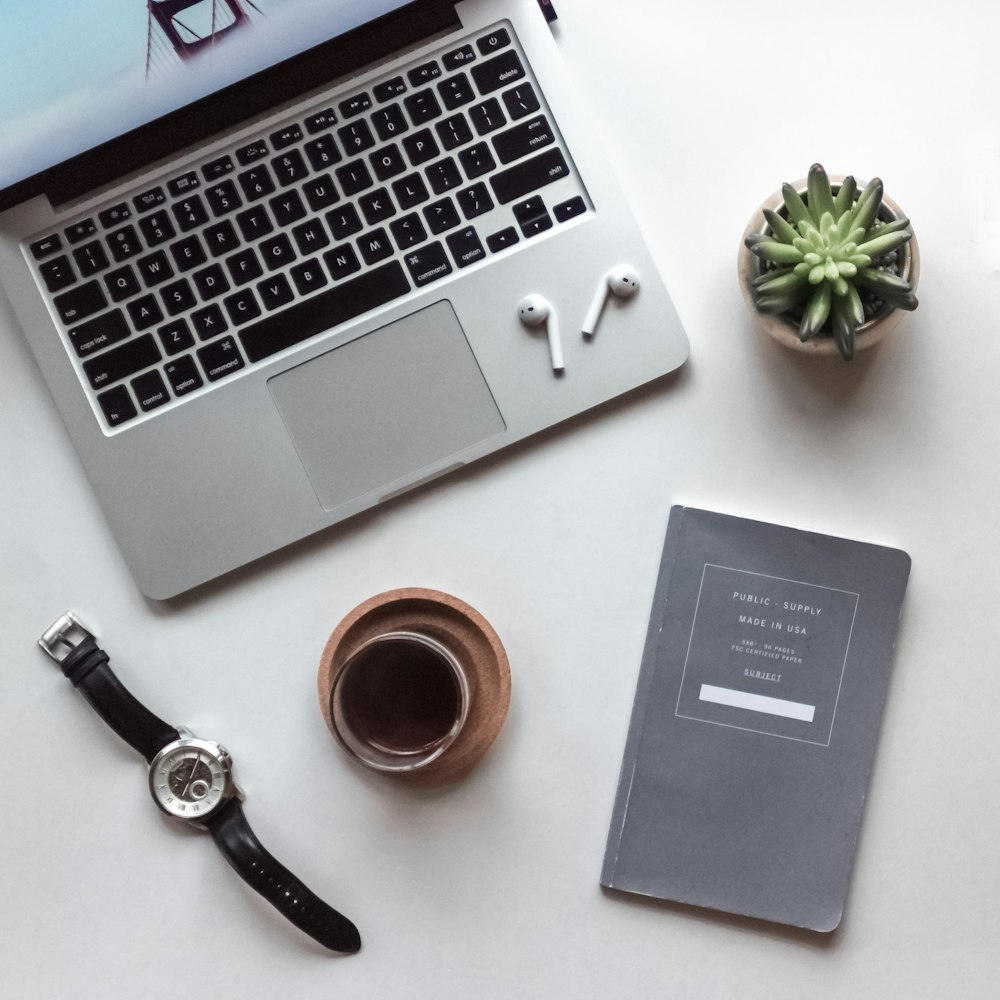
(74, 75)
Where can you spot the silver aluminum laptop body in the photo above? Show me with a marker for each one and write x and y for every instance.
(317, 412)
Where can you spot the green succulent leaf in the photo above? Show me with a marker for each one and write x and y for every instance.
(779, 253)
(796, 207)
(780, 226)
(843, 329)
(816, 312)
(844, 198)
(819, 192)
(777, 282)
(884, 243)
(890, 287)
(868, 203)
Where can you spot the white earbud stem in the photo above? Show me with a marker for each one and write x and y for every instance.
(534, 311)
(620, 281)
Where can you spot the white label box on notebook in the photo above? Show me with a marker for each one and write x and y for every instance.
(268, 256)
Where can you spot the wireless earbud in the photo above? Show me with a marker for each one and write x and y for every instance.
(534, 311)
(620, 281)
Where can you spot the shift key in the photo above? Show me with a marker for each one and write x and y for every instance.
(529, 175)
(120, 362)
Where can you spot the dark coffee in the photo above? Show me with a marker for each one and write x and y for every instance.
(400, 696)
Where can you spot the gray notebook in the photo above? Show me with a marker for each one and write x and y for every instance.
(756, 717)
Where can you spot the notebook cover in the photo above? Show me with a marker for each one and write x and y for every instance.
(756, 717)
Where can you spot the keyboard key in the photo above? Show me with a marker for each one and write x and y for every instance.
(321, 193)
(502, 240)
(209, 322)
(475, 200)
(221, 238)
(45, 246)
(184, 184)
(323, 152)
(100, 332)
(220, 359)
(566, 210)
(354, 177)
(145, 312)
(389, 122)
(150, 390)
(387, 162)
(344, 222)
(523, 139)
(188, 253)
(410, 191)
(277, 252)
(157, 228)
(443, 176)
(244, 266)
(308, 276)
(178, 297)
(324, 311)
(390, 89)
(454, 132)
(408, 231)
(242, 307)
(423, 73)
(223, 198)
(80, 230)
(520, 100)
(217, 168)
(377, 206)
(289, 167)
(80, 302)
(476, 160)
(465, 246)
(117, 406)
(342, 261)
(154, 268)
(375, 246)
(211, 281)
(285, 137)
(320, 121)
(251, 153)
(456, 91)
(90, 258)
(183, 375)
(420, 147)
(355, 105)
(124, 243)
(532, 216)
(493, 41)
(175, 337)
(458, 57)
(57, 274)
(275, 292)
(310, 236)
(487, 117)
(111, 217)
(122, 283)
(150, 199)
(441, 216)
(428, 264)
(356, 137)
(529, 175)
(122, 361)
(254, 223)
(422, 106)
(256, 182)
(498, 72)
(190, 213)
(287, 208)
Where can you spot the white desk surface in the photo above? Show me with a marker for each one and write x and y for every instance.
(490, 888)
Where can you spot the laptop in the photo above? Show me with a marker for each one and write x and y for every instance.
(269, 255)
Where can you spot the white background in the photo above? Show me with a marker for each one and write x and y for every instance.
(490, 888)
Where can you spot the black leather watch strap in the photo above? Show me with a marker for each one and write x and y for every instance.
(86, 665)
(256, 866)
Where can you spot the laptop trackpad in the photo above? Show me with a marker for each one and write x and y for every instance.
(387, 408)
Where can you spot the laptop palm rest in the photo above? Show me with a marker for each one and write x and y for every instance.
(389, 407)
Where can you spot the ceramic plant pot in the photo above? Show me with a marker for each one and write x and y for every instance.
(785, 330)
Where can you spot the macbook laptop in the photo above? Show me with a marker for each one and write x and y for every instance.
(269, 255)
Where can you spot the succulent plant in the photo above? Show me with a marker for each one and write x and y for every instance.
(825, 252)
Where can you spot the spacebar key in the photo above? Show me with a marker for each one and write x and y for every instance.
(322, 312)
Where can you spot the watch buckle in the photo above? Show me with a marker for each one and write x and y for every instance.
(63, 636)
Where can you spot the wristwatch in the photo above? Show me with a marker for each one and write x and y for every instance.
(192, 780)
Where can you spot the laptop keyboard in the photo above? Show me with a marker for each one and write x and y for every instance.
(359, 202)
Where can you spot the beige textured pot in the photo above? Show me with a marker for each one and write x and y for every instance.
(784, 330)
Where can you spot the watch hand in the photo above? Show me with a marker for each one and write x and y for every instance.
(190, 780)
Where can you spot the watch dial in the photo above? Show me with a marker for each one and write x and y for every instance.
(189, 778)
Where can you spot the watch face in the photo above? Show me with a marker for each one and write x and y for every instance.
(189, 778)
